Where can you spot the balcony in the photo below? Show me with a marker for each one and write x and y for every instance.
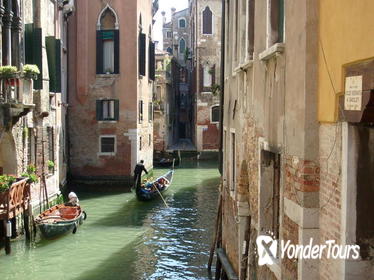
(16, 98)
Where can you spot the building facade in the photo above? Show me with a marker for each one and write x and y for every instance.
(32, 105)
(176, 36)
(297, 136)
(110, 113)
(206, 49)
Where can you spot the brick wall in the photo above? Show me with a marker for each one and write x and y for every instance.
(330, 195)
(290, 231)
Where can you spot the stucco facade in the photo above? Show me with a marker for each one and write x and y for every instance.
(126, 87)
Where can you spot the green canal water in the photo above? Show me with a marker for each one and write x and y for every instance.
(123, 238)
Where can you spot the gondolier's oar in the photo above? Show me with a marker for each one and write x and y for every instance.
(161, 197)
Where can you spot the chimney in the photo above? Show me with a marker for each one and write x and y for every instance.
(163, 17)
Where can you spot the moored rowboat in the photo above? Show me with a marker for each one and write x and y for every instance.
(59, 220)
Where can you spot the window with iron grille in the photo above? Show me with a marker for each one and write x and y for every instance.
(140, 111)
(51, 144)
(107, 144)
(150, 112)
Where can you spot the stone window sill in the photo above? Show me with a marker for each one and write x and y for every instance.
(274, 50)
(107, 76)
(103, 121)
(106, 154)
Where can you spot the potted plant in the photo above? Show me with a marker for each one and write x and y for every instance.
(8, 72)
(51, 165)
(30, 174)
(216, 89)
(31, 71)
(6, 182)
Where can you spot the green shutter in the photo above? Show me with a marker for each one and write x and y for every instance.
(151, 62)
(116, 110)
(29, 28)
(142, 53)
(99, 53)
(53, 47)
(281, 21)
(116, 51)
(38, 56)
(99, 110)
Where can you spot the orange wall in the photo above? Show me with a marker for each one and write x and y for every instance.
(346, 31)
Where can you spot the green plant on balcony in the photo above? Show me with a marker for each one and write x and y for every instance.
(30, 174)
(216, 89)
(31, 71)
(51, 165)
(6, 182)
(8, 72)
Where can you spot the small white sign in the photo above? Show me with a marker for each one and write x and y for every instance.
(353, 93)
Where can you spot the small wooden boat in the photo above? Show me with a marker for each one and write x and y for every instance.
(153, 189)
(165, 162)
(59, 220)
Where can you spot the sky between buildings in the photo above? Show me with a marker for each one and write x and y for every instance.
(166, 5)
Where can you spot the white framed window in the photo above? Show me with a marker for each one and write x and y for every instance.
(207, 76)
(107, 110)
(275, 22)
(214, 114)
(182, 23)
(108, 145)
(207, 21)
(182, 45)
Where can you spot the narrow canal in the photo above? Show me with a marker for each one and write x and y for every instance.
(126, 239)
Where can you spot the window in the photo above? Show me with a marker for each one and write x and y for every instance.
(169, 34)
(182, 23)
(33, 50)
(207, 21)
(140, 143)
(107, 144)
(53, 47)
(233, 162)
(275, 22)
(142, 54)
(215, 112)
(182, 46)
(150, 112)
(140, 111)
(149, 139)
(107, 110)
(251, 27)
(51, 148)
(151, 60)
(169, 50)
(107, 43)
(30, 146)
(207, 77)
(270, 190)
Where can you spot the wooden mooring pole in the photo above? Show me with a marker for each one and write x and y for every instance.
(8, 234)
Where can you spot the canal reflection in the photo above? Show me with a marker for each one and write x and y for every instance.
(123, 238)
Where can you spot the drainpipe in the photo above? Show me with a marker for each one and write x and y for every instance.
(223, 38)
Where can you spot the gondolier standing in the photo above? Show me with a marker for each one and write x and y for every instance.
(139, 168)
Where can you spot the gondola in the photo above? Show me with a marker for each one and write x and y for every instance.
(59, 220)
(148, 191)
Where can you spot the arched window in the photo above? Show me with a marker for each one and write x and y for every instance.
(207, 21)
(182, 46)
(182, 23)
(215, 112)
(207, 77)
(107, 41)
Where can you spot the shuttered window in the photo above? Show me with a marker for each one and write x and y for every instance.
(207, 21)
(142, 54)
(107, 52)
(107, 110)
(215, 114)
(53, 47)
(151, 61)
(33, 51)
(150, 112)
(140, 111)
